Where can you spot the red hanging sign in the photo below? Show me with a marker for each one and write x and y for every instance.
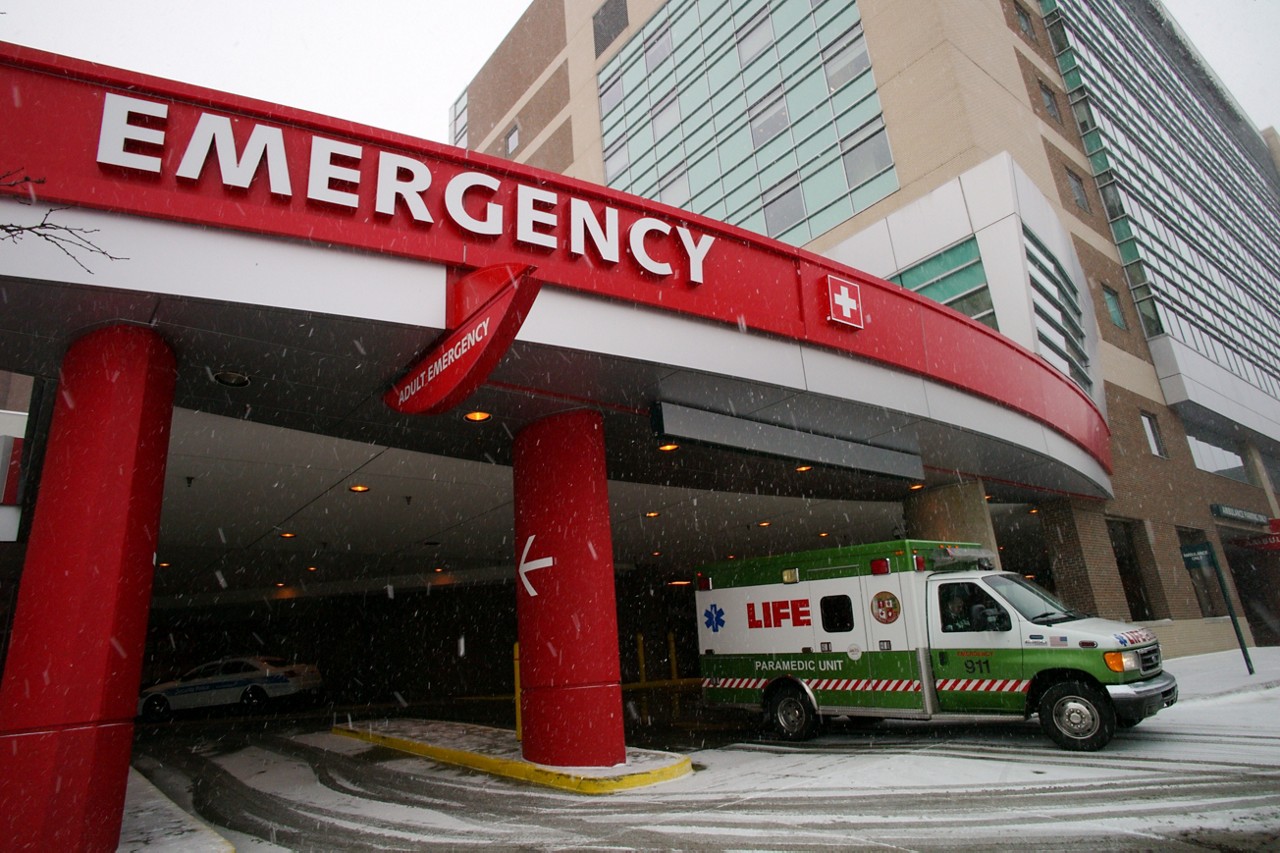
(465, 357)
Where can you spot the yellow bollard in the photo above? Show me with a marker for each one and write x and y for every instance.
(675, 674)
(515, 659)
(644, 694)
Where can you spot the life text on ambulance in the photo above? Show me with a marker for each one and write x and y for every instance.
(918, 630)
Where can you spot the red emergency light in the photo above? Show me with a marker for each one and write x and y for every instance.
(880, 566)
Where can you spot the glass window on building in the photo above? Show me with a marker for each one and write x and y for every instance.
(512, 140)
(657, 47)
(846, 58)
(866, 153)
(1025, 24)
(1078, 191)
(459, 121)
(616, 160)
(1112, 300)
(1050, 101)
(783, 206)
(1217, 455)
(666, 116)
(1155, 441)
(768, 117)
(611, 95)
(675, 189)
(608, 22)
(754, 37)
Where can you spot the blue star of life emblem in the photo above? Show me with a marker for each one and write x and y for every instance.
(715, 618)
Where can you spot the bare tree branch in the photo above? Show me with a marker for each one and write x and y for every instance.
(68, 239)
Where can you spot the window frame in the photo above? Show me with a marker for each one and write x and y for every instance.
(1155, 438)
(1079, 193)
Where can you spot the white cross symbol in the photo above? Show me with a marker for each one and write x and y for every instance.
(846, 301)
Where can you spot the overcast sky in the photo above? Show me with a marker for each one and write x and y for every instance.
(399, 64)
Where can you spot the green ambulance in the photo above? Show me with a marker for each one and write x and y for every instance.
(918, 630)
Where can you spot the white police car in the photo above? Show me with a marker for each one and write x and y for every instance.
(248, 681)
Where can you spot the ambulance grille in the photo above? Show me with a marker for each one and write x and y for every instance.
(1150, 659)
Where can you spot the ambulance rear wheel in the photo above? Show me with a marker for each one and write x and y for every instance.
(1077, 716)
(791, 714)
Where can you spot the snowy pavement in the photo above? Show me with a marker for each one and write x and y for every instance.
(1204, 773)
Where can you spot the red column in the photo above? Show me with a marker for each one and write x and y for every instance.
(70, 685)
(571, 698)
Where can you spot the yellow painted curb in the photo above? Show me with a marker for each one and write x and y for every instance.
(523, 770)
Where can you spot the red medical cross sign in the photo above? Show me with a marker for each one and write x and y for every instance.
(845, 302)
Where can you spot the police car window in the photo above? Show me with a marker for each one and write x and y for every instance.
(837, 613)
(232, 667)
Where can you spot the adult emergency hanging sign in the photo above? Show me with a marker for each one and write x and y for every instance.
(465, 357)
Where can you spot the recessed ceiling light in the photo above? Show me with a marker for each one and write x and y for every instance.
(358, 487)
(763, 523)
(311, 568)
(915, 487)
(668, 447)
(653, 513)
(477, 416)
(279, 583)
(824, 534)
(287, 535)
(1033, 511)
(679, 583)
(163, 565)
(439, 569)
(231, 378)
(802, 468)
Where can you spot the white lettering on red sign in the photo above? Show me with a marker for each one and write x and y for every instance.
(776, 614)
(333, 177)
(442, 363)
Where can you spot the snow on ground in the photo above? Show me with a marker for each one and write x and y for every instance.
(1189, 767)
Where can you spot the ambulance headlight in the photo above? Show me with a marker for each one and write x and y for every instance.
(1122, 661)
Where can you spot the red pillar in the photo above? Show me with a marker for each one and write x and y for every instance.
(571, 695)
(70, 685)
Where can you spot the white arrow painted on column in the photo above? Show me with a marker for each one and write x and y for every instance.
(527, 565)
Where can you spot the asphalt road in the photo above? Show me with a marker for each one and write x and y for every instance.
(1202, 775)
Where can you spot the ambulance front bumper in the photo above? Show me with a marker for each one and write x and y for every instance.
(1141, 699)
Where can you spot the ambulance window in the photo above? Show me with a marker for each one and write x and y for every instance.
(837, 614)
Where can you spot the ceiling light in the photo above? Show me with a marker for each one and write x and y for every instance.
(477, 416)
(439, 569)
(763, 523)
(231, 378)
(679, 583)
(655, 554)
(163, 565)
(802, 468)
(311, 568)
(653, 513)
(915, 487)
(287, 534)
(279, 583)
(824, 534)
(1033, 511)
(358, 487)
(668, 447)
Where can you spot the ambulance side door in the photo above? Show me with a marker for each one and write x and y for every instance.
(976, 653)
(892, 664)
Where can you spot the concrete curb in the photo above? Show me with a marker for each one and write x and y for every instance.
(566, 780)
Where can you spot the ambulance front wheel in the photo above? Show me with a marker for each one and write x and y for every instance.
(1077, 716)
(791, 713)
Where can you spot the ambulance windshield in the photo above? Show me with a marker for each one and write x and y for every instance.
(1035, 604)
